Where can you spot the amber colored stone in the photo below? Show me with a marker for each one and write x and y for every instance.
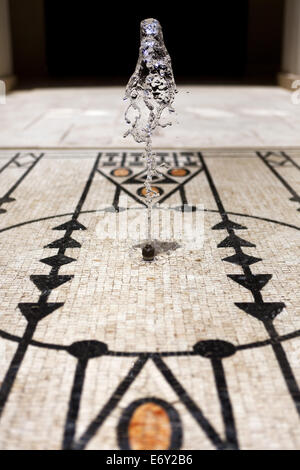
(144, 190)
(178, 172)
(149, 428)
(121, 172)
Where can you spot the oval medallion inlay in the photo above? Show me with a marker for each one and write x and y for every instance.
(143, 191)
(150, 424)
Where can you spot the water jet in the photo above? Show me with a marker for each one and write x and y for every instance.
(151, 90)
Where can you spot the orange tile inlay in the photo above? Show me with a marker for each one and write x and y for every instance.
(178, 172)
(121, 172)
(149, 428)
(143, 192)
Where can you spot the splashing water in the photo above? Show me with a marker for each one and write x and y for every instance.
(151, 90)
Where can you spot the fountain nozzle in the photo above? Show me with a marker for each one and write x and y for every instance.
(148, 252)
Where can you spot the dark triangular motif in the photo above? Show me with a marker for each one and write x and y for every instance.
(228, 224)
(70, 225)
(267, 155)
(64, 243)
(263, 312)
(295, 199)
(277, 159)
(2, 211)
(233, 240)
(253, 282)
(34, 312)
(57, 260)
(242, 259)
(48, 282)
(6, 199)
(281, 163)
(138, 179)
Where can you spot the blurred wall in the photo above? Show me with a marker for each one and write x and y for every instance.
(5, 41)
(28, 33)
(291, 56)
(265, 30)
(290, 75)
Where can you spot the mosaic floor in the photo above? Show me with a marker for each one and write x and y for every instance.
(100, 350)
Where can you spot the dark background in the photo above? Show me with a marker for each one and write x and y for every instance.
(237, 41)
(208, 42)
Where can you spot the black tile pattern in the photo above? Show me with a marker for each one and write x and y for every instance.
(21, 160)
(263, 311)
(216, 351)
(277, 160)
